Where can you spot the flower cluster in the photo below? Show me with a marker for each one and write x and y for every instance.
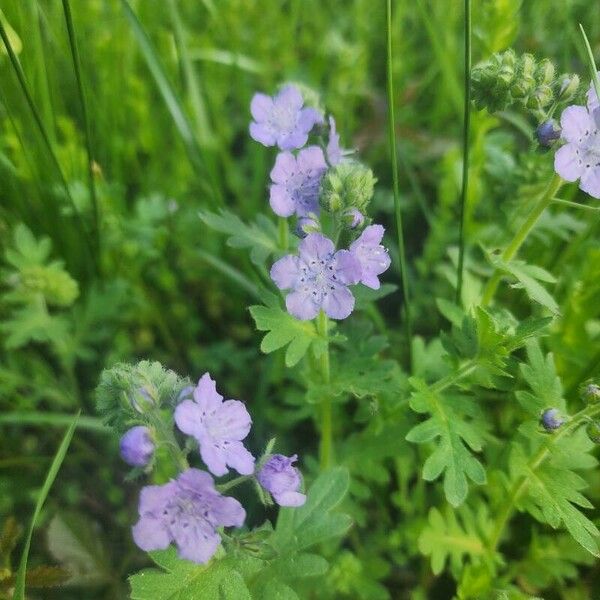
(317, 179)
(189, 508)
(579, 157)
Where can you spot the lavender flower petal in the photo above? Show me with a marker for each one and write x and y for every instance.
(372, 256)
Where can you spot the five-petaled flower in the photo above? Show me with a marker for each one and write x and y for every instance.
(318, 277)
(281, 120)
(372, 256)
(187, 511)
(296, 181)
(579, 158)
(219, 427)
(282, 480)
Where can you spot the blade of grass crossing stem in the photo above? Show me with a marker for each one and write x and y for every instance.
(86, 121)
(465, 170)
(591, 61)
(174, 106)
(19, 593)
(40, 125)
(396, 189)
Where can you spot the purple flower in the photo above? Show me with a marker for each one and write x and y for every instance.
(318, 277)
(372, 256)
(282, 480)
(548, 132)
(551, 419)
(218, 427)
(186, 511)
(593, 103)
(136, 446)
(296, 182)
(579, 158)
(334, 151)
(281, 120)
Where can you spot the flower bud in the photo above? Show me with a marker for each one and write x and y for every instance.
(282, 480)
(551, 419)
(593, 431)
(545, 72)
(347, 185)
(591, 393)
(542, 96)
(568, 87)
(548, 132)
(353, 218)
(136, 446)
(306, 225)
(142, 399)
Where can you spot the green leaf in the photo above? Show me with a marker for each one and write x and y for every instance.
(454, 436)
(451, 537)
(77, 545)
(19, 593)
(284, 330)
(259, 237)
(182, 580)
(540, 374)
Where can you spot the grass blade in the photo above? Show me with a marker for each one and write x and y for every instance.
(173, 103)
(19, 593)
(53, 419)
(591, 61)
(465, 170)
(396, 189)
(86, 121)
(40, 125)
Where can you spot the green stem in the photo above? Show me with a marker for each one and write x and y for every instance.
(520, 486)
(396, 189)
(233, 483)
(465, 170)
(284, 234)
(326, 448)
(521, 235)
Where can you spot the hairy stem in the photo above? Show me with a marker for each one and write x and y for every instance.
(520, 486)
(511, 250)
(284, 238)
(396, 189)
(326, 446)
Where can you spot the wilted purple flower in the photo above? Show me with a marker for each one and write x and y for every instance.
(318, 277)
(579, 158)
(548, 132)
(218, 427)
(306, 225)
(372, 256)
(296, 181)
(136, 446)
(187, 511)
(354, 218)
(281, 120)
(551, 419)
(282, 480)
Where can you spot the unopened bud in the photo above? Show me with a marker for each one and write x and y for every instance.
(593, 431)
(591, 393)
(353, 218)
(548, 132)
(568, 87)
(347, 185)
(551, 419)
(306, 225)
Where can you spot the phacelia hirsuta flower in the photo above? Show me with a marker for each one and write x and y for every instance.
(282, 480)
(552, 419)
(219, 428)
(372, 256)
(281, 120)
(296, 181)
(579, 158)
(187, 510)
(136, 446)
(318, 279)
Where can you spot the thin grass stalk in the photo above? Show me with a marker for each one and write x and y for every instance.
(86, 121)
(466, 147)
(40, 125)
(396, 187)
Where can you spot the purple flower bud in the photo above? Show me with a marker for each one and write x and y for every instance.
(136, 446)
(306, 225)
(591, 393)
(548, 132)
(282, 480)
(551, 419)
(354, 218)
(141, 399)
